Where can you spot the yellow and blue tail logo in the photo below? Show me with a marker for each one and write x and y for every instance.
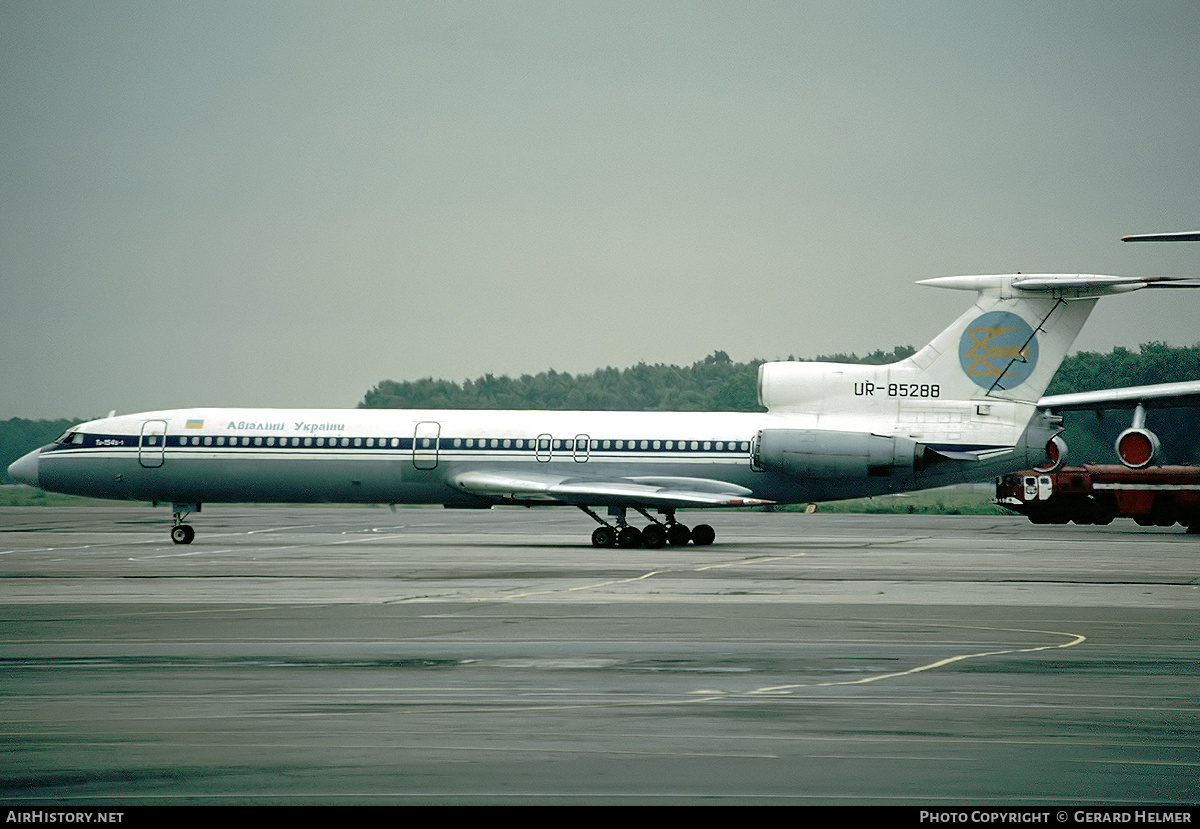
(998, 350)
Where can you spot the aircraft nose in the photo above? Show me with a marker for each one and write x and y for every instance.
(25, 468)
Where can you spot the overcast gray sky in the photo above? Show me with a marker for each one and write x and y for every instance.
(283, 203)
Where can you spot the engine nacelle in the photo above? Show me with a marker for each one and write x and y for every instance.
(1056, 455)
(813, 453)
(1137, 447)
(784, 385)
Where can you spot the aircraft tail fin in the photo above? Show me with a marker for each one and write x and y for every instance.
(1007, 346)
(1010, 343)
(1004, 349)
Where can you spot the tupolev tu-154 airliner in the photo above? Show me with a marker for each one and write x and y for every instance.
(966, 407)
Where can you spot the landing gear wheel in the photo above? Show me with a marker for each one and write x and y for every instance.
(182, 533)
(629, 537)
(654, 537)
(604, 537)
(703, 534)
(678, 535)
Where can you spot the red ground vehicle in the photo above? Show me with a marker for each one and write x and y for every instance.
(1097, 493)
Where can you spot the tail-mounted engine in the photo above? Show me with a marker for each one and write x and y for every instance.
(814, 453)
(1137, 446)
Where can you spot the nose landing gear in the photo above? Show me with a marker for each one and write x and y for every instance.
(182, 533)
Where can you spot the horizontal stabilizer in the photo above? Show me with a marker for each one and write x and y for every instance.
(1061, 285)
(1180, 236)
(1097, 285)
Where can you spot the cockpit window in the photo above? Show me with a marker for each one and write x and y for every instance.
(68, 437)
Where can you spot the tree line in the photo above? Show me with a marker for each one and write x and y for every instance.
(717, 383)
(18, 436)
(714, 384)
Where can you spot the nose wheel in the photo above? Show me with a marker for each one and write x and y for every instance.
(183, 533)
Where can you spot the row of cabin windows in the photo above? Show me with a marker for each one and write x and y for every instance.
(481, 443)
(595, 444)
(271, 441)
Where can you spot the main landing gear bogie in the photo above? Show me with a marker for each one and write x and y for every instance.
(653, 537)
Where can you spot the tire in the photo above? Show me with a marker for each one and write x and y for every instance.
(604, 537)
(629, 537)
(654, 537)
(678, 535)
(703, 535)
(182, 534)
(1103, 510)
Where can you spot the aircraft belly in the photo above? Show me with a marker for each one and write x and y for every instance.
(209, 478)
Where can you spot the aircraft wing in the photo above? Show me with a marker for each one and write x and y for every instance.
(586, 491)
(1181, 236)
(1161, 395)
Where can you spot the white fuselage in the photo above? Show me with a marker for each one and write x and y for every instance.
(419, 456)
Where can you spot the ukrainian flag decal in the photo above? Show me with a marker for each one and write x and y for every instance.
(195, 424)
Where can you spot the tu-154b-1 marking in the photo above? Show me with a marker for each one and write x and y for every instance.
(963, 408)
